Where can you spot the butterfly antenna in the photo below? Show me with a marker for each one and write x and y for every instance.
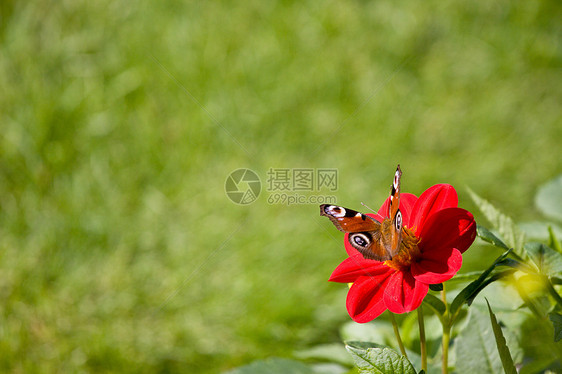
(368, 207)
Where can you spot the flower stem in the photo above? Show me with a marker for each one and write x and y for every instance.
(423, 350)
(444, 296)
(397, 333)
(446, 337)
(446, 333)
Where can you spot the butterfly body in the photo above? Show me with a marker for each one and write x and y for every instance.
(373, 239)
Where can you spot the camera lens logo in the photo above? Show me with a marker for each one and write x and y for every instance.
(243, 186)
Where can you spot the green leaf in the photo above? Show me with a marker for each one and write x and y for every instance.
(523, 266)
(556, 320)
(531, 289)
(434, 303)
(492, 279)
(476, 350)
(514, 264)
(436, 287)
(489, 237)
(273, 366)
(508, 230)
(554, 243)
(548, 261)
(380, 361)
(363, 345)
(473, 287)
(416, 361)
(414, 357)
(538, 366)
(549, 198)
(465, 277)
(503, 349)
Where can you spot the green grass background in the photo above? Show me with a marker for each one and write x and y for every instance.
(120, 121)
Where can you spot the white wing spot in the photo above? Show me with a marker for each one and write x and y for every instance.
(398, 220)
(360, 239)
(336, 211)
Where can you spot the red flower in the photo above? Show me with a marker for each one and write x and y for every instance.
(435, 234)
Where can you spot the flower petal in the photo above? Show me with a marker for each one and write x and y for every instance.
(356, 266)
(407, 203)
(404, 293)
(432, 200)
(365, 300)
(348, 247)
(433, 270)
(448, 228)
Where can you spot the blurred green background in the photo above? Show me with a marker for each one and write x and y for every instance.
(120, 122)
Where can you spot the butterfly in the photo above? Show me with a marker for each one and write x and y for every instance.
(373, 239)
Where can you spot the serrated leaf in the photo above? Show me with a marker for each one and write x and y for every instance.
(503, 349)
(363, 345)
(510, 233)
(380, 361)
(488, 236)
(274, 366)
(556, 320)
(549, 198)
(475, 347)
(474, 286)
(414, 357)
(548, 261)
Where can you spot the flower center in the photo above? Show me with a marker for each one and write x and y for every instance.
(408, 253)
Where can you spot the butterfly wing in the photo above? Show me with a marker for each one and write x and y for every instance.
(348, 220)
(364, 232)
(374, 240)
(395, 215)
